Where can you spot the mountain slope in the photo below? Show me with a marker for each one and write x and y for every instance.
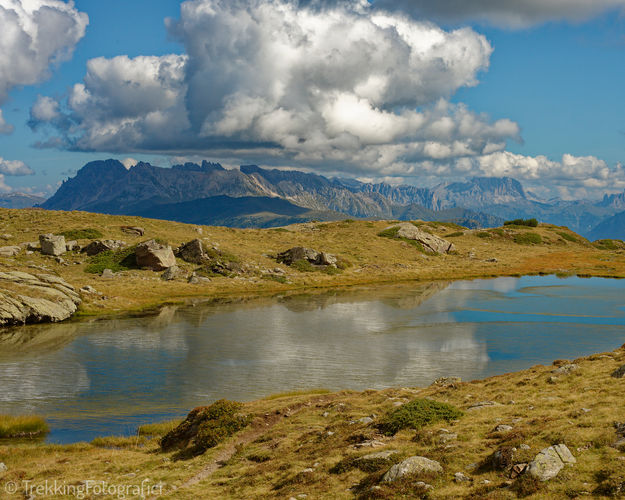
(611, 228)
(20, 200)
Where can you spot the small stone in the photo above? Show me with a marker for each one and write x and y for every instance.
(447, 381)
(565, 369)
(549, 462)
(330, 433)
(59, 260)
(6, 236)
(485, 481)
(459, 477)
(308, 470)
(325, 414)
(172, 273)
(503, 428)
(481, 405)
(444, 438)
(373, 443)
(380, 455)
(365, 420)
(517, 470)
(90, 289)
(586, 410)
(3, 468)
(524, 446)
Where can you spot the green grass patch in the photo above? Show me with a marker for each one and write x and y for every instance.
(290, 394)
(483, 234)
(158, 428)
(454, 235)
(274, 277)
(120, 442)
(522, 222)
(390, 232)
(498, 231)
(528, 238)
(115, 260)
(22, 426)
(608, 244)
(82, 234)
(567, 236)
(417, 414)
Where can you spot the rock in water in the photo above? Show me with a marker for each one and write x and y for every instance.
(412, 466)
(99, 246)
(52, 244)
(155, 256)
(550, 461)
(430, 242)
(28, 298)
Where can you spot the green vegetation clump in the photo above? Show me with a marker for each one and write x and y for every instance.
(22, 426)
(303, 266)
(455, 235)
(274, 277)
(528, 239)
(390, 232)
(159, 428)
(483, 234)
(522, 222)
(417, 414)
(115, 260)
(222, 420)
(82, 234)
(567, 236)
(607, 244)
(498, 231)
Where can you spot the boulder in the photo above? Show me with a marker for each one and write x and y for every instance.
(550, 461)
(446, 382)
(72, 246)
(108, 274)
(99, 246)
(134, 230)
(193, 251)
(430, 242)
(295, 254)
(52, 244)
(29, 298)
(412, 466)
(155, 256)
(565, 369)
(326, 259)
(172, 273)
(10, 251)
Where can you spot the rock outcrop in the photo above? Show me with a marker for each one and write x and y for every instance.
(295, 254)
(10, 251)
(155, 256)
(430, 242)
(550, 461)
(99, 246)
(52, 244)
(28, 298)
(193, 252)
(412, 466)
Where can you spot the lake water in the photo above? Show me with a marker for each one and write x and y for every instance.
(109, 376)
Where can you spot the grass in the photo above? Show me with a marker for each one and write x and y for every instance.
(417, 414)
(528, 238)
(609, 244)
(567, 236)
(82, 234)
(483, 234)
(455, 234)
(22, 426)
(159, 428)
(115, 260)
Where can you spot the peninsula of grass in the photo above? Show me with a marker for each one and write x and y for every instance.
(12, 427)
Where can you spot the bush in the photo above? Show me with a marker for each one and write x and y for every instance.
(81, 234)
(417, 414)
(22, 426)
(606, 245)
(522, 222)
(483, 234)
(498, 231)
(115, 260)
(528, 239)
(222, 421)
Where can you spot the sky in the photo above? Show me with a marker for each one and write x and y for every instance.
(402, 91)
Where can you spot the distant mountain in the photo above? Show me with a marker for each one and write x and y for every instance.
(20, 200)
(208, 192)
(611, 228)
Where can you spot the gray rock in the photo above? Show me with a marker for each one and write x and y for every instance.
(10, 251)
(29, 298)
(108, 274)
(99, 246)
(194, 279)
(565, 369)
(172, 273)
(193, 251)
(295, 254)
(550, 461)
(373, 443)
(459, 477)
(52, 244)
(155, 256)
(32, 245)
(134, 230)
(447, 381)
(90, 289)
(3, 468)
(445, 438)
(619, 444)
(326, 259)
(6, 236)
(380, 455)
(482, 404)
(412, 466)
(503, 428)
(524, 446)
(619, 372)
(72, 246)
(430, 242)
(365, 420)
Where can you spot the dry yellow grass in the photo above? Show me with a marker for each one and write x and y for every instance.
(373, 259)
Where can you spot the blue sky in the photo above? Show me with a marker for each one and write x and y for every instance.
(549, 88)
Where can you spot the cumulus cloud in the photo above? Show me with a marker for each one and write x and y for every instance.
(14, 167)
(503, 13)
(36, 34)
(273, 80)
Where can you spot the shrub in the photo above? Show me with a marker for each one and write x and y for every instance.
(115, 260)
(522, 222)
(22, 426)
(528, 239)
(81, 234)
(417, 414)
(222, 421)
(498, 231)
(606, 245)
(483, 234)
(303, 266)
(454, 235)
(567, 236)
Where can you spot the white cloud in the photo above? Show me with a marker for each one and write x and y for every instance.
(14, 167)
(504, 13)
(45, 109)
(35, 34)
(5, 128)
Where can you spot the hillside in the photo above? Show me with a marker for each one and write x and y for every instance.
(612, 227)
(250, 253)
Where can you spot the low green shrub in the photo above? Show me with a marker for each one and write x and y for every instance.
(82, 234)
(498, 231)
(222, 420)
(455, 235)
(522, 222)
(416, 414)
(528, 238)
(567, 236)
(115, 260)
(606, 244)
(483, 234)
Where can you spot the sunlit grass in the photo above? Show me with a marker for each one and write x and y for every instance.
(22, 426)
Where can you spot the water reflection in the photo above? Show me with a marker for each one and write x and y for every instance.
(107, 376)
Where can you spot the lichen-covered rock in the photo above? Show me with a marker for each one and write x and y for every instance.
(412, 466)
(28, 298)
(550, 461)
(193, 252)
(430, 242)
(99, 246)
(155, 256)
(52, 244)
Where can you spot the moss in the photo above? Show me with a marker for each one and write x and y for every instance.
(528, 238)
(115, 260)
(82, 234)
(416, 414)
(22, 426)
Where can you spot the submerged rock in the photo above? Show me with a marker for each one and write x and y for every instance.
(29, 298)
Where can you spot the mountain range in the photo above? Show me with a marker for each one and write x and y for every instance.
(251, 196)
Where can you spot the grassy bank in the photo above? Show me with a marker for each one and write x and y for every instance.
(22, 426)
(365, 256)
(313, 443)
